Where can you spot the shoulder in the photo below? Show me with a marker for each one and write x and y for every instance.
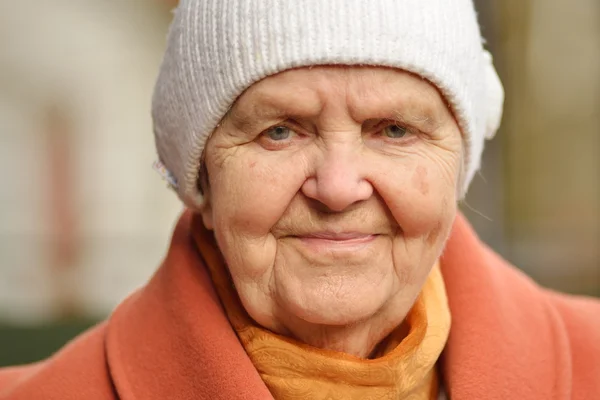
(501, 317)
(577, 312)
(580, 317)
(78, 371)
(575, 318)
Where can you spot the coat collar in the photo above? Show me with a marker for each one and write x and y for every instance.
(171, 339)
(506, 341)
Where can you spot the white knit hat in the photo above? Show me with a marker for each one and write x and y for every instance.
(218, 48)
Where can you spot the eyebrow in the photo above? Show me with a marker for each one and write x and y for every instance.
(249, 121)
(424, 119)
(267, 109)
(270, 108)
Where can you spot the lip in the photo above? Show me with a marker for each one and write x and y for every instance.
(337, 241)
(339, 236)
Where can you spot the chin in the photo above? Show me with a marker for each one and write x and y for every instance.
(334, 310)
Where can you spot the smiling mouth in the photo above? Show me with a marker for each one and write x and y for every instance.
(338, 237)
(333, 241)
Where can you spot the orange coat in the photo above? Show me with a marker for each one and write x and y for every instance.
(510, 339)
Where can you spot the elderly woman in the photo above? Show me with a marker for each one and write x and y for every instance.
(321, 148)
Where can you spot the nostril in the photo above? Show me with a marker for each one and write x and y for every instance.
(365, 190)
(309, 188)
(338, 183)
(336, 198)
(321, 208)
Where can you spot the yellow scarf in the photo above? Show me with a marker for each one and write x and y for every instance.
(404, 369)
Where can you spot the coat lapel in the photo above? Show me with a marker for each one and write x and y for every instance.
(172, 340)
(506, 340)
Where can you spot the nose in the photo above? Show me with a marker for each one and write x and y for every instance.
(338, 181)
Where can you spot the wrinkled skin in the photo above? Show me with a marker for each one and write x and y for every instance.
(331, 192)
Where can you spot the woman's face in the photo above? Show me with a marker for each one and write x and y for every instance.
(331, 192)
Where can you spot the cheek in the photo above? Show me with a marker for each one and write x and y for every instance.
(252, 191)
(420, 194)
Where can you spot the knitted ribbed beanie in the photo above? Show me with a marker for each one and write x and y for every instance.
(218, 48)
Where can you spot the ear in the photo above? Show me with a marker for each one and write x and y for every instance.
(206, 211)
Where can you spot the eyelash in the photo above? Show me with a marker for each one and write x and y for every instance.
(275, 144)
(410, 132)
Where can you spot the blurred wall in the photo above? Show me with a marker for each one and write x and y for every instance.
(553, 146)
(537, 199)
(84, 219)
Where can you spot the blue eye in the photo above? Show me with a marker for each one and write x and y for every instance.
(395, 131)
(277, 133)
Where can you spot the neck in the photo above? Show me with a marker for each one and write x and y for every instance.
(359, 338)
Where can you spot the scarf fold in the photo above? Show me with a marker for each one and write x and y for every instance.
(405, 366)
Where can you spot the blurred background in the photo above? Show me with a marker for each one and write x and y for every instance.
(84, 219)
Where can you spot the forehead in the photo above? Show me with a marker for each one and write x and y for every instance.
(365, 93)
